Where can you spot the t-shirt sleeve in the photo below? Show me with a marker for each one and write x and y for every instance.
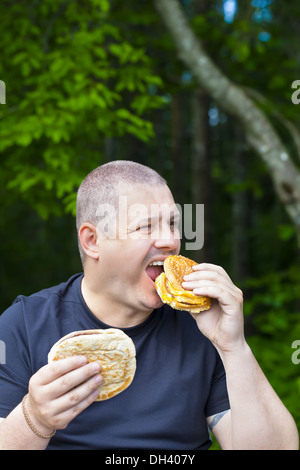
(15, 367)
(218, 398)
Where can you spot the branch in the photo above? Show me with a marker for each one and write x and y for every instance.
(290, 127)
(232, 99)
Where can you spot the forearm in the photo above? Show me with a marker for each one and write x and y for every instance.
(15, 434)
(259, 419)
(58, 392)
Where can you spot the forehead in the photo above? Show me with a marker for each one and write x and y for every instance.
(144, 200)
(146, 193)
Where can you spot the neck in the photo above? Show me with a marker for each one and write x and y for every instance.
(110, 311)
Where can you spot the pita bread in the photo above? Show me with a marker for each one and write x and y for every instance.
(111, 347)
(168, 286)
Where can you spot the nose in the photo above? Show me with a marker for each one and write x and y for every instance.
(167, 238)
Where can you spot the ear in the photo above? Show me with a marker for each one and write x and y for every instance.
(89, 240)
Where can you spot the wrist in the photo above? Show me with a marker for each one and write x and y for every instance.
(38, 428)
(241, 349)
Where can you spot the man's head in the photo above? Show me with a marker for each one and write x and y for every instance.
(126, 219)
(99, 194)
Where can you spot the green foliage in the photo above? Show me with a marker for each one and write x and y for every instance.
(275, 301)
(274, 354)
(286, 231)
(274, 309)
(72, 81)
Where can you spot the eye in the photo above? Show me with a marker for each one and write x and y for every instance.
(144, 227)
(174, 224)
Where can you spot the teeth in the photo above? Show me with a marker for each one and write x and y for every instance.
(157, 263)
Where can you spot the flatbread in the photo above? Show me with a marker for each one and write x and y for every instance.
(111, 347)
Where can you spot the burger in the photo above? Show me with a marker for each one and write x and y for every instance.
(169, 288)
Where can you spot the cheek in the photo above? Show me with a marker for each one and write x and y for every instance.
(123, 258)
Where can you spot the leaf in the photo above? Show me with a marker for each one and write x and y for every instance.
(23, 139)
(286, 232)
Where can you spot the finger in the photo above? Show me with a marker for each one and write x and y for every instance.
(220, 292)
(64, 418)
(208, 267)
(56, 369)
(77, 399)
(212, 268)
(72, 379)
(208, 274)
(201, 279)
(214, 292)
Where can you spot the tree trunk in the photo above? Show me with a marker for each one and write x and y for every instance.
(177, 153)
(233, 99)
(201, 159)
(240, 213)
(201, 171)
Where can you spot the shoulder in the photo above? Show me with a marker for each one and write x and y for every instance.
(56, 293)
(34, 313)
(33, 323)
(61, 291)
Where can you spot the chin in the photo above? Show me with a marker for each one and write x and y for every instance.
(150, 298)
(157, 303)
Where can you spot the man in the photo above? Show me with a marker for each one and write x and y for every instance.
(127, 220)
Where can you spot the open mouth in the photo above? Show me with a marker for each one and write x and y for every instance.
(154, 269)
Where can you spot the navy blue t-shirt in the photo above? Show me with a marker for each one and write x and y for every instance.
(179, 380)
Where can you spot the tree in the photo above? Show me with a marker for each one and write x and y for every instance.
(233, 99)
(72, 82)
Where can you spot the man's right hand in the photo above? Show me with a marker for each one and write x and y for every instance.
(61, 390)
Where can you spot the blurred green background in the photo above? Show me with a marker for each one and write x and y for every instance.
(94, 81)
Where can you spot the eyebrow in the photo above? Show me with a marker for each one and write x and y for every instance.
(153, 219)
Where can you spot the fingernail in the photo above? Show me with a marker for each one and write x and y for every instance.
(98, 379)
(96, 367)
(82, 360)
